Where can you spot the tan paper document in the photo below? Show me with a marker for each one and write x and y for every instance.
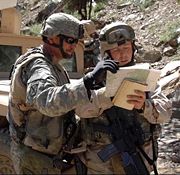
(138, 73)
(127, 88)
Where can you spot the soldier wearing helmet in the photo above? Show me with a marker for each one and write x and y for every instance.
(42, 101)
(115, 35)
(108, 148)
(91, 51)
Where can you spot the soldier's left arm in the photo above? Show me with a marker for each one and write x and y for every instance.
(157, 108)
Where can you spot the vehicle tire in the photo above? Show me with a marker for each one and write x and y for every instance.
(6, 165)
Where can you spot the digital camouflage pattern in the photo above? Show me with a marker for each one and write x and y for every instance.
(30, 161)
(48, 91)
(48, 96)
(58, 23)
(41, 96)
(34, 162)
(159, 109)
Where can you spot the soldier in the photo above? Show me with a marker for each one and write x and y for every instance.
(88, 48)
(118, 139)
(42, 99)
(91, 51)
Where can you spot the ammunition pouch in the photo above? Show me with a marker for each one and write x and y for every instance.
(17, 132)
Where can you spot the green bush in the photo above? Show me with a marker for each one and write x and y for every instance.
(141, 3)
(175, 57)
(99, 6)
(35, 29)
(169, 31)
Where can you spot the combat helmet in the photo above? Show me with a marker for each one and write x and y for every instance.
(62, 24)
(115, 34)
(89, 27)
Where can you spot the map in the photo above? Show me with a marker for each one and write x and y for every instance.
(140, 73)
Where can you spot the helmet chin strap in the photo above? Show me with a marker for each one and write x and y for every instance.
(61, 39)
(59, 46)
(132, 62)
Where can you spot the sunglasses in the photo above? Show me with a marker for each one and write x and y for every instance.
(70, 40)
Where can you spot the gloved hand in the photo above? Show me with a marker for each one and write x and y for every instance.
(98, 75)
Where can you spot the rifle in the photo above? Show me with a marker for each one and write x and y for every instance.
(127, 135)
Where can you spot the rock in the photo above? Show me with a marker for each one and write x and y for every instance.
(158, 43)
(175, 158)
(151, 56)
(123, 5)
(178, 31)
(173, 43)
(169, 51)
(25, 29)
(143, 26)
(178, 135)
(178, 40)
(130, 17)
(162, 155)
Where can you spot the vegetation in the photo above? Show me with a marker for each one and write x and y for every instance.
(144, 3)
(99, 6)
(84, 8)
(169, 31)
(34, 30)
(141, 3)
(175, 58)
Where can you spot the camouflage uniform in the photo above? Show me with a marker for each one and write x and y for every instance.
(47, 93)
(41, 108)
(157, 109)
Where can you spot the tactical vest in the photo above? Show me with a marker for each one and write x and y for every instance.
(28, 125)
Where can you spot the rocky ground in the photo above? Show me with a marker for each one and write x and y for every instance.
(169, 145)
(149, 24)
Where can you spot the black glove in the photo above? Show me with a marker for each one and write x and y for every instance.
(98, 75)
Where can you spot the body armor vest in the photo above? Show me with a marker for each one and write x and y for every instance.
(27, 124)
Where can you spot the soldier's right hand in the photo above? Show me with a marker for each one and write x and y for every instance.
(98, 75)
